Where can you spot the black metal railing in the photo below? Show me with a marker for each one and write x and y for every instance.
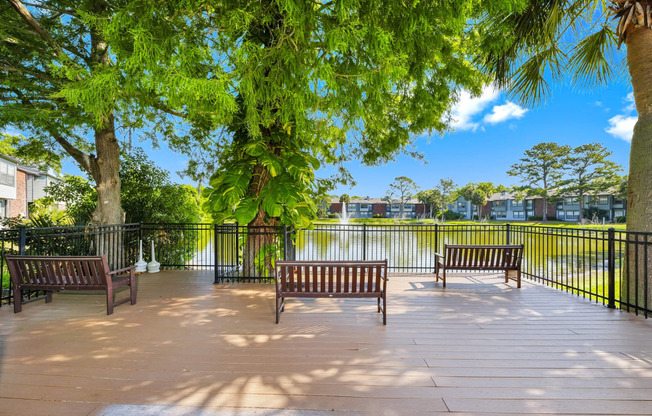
(607, 266)
(118, 242)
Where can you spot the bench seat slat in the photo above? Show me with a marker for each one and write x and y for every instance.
(351, 279)
(51, 273)
(480, 257)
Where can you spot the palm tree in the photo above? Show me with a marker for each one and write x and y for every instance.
(579, 38)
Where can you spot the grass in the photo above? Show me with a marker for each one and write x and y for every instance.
(389, 221)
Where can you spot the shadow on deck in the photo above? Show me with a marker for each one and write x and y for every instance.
(189, 347)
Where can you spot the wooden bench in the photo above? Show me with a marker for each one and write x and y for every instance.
(51, 273)
(481, 257)
(331, 279)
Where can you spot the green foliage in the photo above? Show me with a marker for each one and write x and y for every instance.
(432, 199)
(590, 172)
(30, 151)
(147, 194)
(524, 48)
(535, 218)
(78, 195)
(477, 193)
(345, 198)
(451, 215)
(542, 170)
(595, 212)
(45, 213)
(294, 82)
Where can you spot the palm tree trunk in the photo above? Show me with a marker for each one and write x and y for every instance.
(639, 193)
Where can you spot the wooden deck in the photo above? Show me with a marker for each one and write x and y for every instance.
(479, 347)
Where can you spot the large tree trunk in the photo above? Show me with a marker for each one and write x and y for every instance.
(106, 174)
(639, 193)
(262, 239)
(544, 217)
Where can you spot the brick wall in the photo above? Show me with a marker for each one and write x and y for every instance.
(336, 208)
(538, 209)
(19, 205)
(421, 209)
(379, 209)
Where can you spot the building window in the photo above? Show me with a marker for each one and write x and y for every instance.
(461, 205)
(519, 214)
(364, 207)
(4, 212)
(560, 205)
(572, 200)
(619, 203)
(396, 207)
(560, 215)
(498, 204)
(7, 174)
(600, 200)
(351, 207)
(619, 213)
(517, 204)
(572, 214)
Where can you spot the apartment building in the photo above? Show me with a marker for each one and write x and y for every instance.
(370, 207)
(608, 207)
(20, 186)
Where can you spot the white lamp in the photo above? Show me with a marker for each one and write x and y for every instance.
(153, 266)
(141, 265)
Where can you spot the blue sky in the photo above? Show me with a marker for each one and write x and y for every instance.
(491, 133)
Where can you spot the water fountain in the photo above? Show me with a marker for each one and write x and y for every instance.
(344, 216)
(141, 265)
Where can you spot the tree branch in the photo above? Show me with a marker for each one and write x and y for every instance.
(87, 162)
(35, 25)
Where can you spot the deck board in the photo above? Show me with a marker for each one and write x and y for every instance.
(478, 347)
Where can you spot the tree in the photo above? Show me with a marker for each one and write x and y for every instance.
(401, 191)
(64, 81)
(525, 46)
(477, 194)
(446, 187)
(590, 173)
(147, 194)
(432, 199)
(30, 151)
(308, 83)
(345, 199)
(541, 171)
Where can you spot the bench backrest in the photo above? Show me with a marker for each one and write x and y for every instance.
(331, 276)
(75, 272)
(483, 256)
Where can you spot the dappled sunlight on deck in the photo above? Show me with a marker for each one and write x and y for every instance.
(189, 347)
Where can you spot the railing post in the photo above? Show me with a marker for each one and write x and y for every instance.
(507, 236)
(22, 240)
(215, 253)
(436, 238)
(611, 267)
(364, 241)
(285, 242)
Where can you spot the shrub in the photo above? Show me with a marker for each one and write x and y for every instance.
(333, 215)
(594, 212)
(535, 218)
(621, 220)
(451, 215)
(378, 216)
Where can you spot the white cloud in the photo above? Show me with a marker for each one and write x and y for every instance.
(631, 106)
(622, 126)
(505, 112)
(467, 107)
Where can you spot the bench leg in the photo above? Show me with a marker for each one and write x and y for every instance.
(132, 286)
(518, 278)
(443, 274)
(48, 296)
(384, 309)
(18, 299)
(506, 276)
(109, 300)
(378, 305)
(436, 272)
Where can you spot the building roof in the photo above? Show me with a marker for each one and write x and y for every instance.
(9, 158)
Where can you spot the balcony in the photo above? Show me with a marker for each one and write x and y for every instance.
(191, 347)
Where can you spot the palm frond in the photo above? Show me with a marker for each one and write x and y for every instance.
(592, 59)
(529, 84)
